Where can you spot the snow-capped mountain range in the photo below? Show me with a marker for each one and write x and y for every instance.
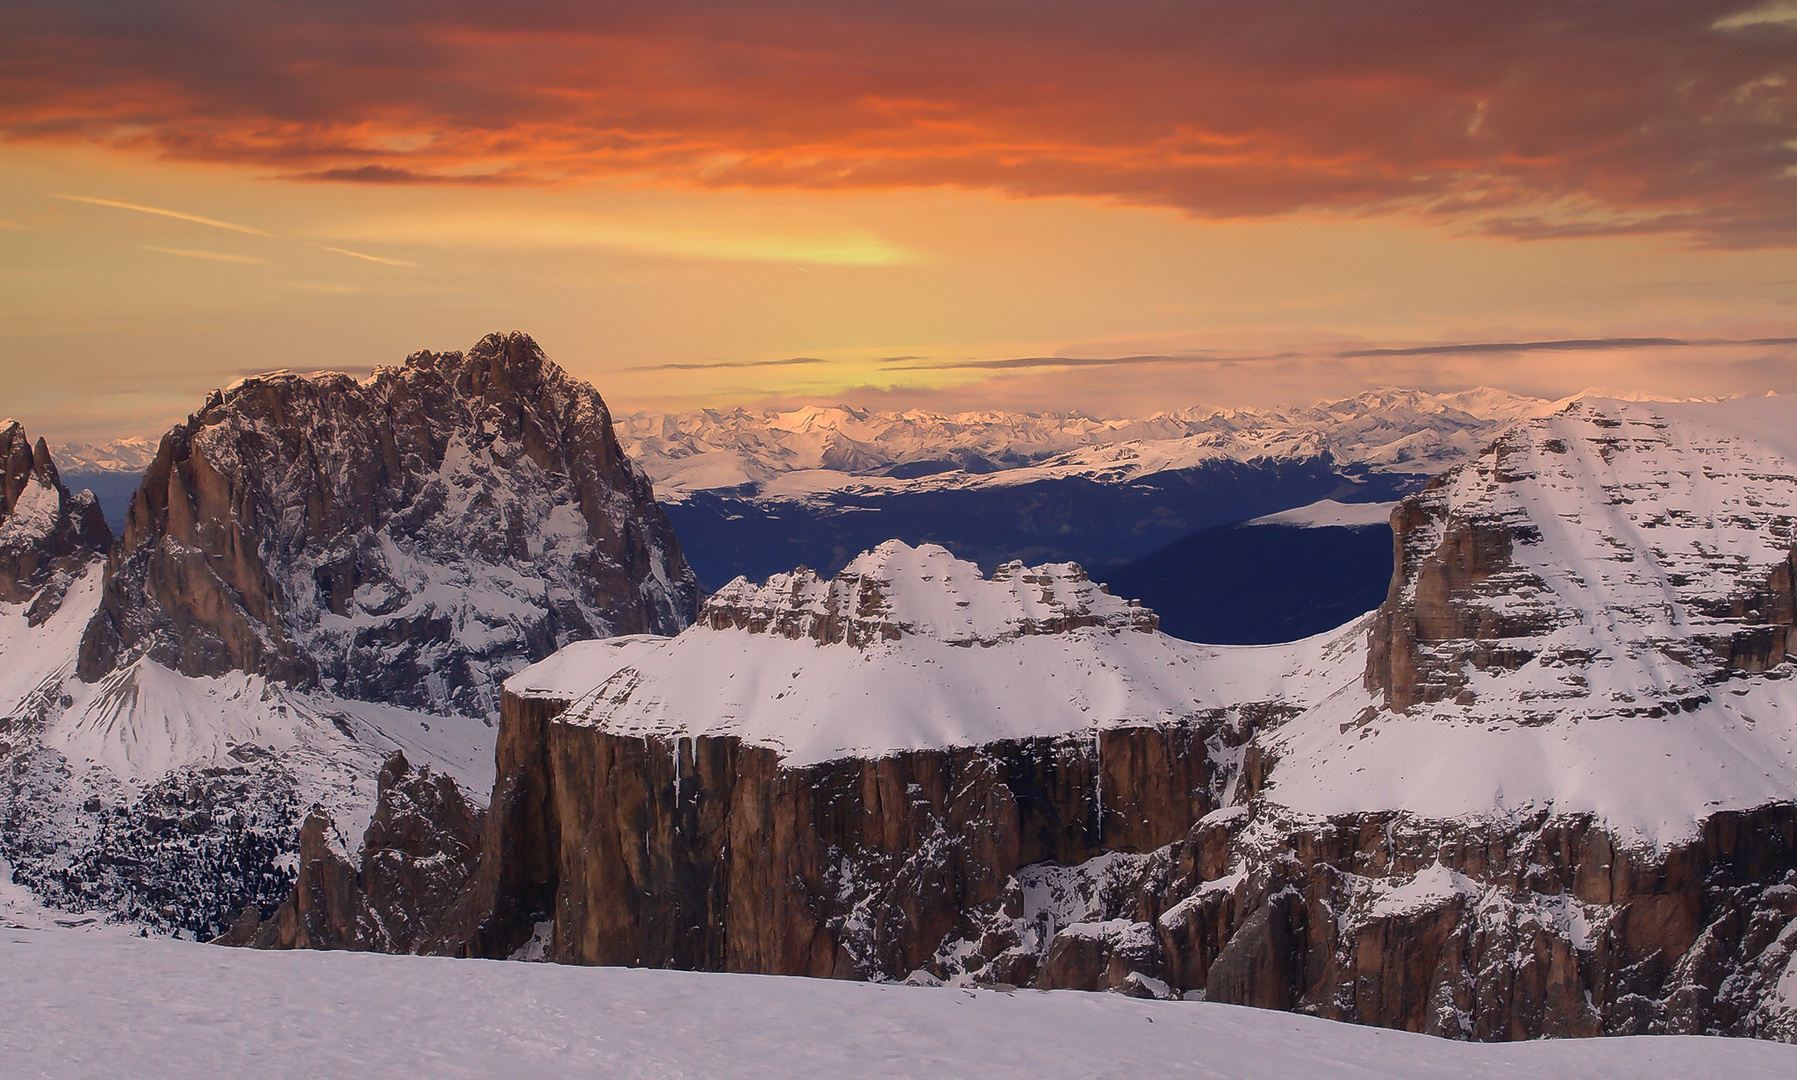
(756, 493)
(1547, 788)
(813, 451)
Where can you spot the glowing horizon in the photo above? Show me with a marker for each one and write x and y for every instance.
(1032, 207)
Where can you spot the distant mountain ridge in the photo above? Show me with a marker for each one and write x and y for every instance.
(755, 493)
(717, 449)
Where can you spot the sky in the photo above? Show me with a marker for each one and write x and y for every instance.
(1108, 208)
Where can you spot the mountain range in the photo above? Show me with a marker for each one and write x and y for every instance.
(1544, 789)
(415, 663)
(755, 493)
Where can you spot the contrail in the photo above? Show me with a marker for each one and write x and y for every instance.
(359, 255)
(215, 256)
(176, 214)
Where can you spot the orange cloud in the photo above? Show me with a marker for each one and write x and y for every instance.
(1532, 120)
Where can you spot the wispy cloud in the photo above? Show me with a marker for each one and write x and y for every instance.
(716, 236)
(1017, 363)
(1564, 345)
(361, 255)
(791, 361)
(4, 224)
(213, 256)
(1775, 13)
(197, 219)
(178, 215)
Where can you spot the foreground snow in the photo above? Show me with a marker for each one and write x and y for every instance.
(105, 1005)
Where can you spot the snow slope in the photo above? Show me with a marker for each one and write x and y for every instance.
(103, 1005)
(1636, 525)
(944, 657)
(128, 455)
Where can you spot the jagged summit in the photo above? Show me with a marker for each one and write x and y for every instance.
(897, 591)
(410, 538)
(47, 535)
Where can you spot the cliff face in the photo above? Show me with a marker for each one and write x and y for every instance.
(47, 536)
(410, 539)
(1108, 865)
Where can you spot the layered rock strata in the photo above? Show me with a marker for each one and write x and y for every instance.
(409, 539)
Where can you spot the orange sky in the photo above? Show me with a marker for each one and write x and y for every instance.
(1112, 208)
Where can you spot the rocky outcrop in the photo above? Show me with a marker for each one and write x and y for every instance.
(416, 857)
(1549, 926)
(409, 539)
(859, 606)
(47, 535)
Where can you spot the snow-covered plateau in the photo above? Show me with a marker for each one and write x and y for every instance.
(100, 1005)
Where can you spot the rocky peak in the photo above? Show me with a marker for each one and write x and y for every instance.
(897, 591)
(1620, 555)
(46, 534)
(409, 538)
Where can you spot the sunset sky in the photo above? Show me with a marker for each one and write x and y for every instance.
(1104, 207)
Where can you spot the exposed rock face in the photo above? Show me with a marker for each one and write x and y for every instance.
(1551, 929)
(991, 865)
(47, 536)
(418, 854)
(410, 539)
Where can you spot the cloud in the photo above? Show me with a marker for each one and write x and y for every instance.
(387, 174)
(791, 361)
(196, 219)
(687, 235)
(213, 256)
(1015, 363)
(1780, 12)
(1532, 120)
(159, 212)
(1565, 345)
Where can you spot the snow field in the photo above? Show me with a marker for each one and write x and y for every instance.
(104, 1005)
